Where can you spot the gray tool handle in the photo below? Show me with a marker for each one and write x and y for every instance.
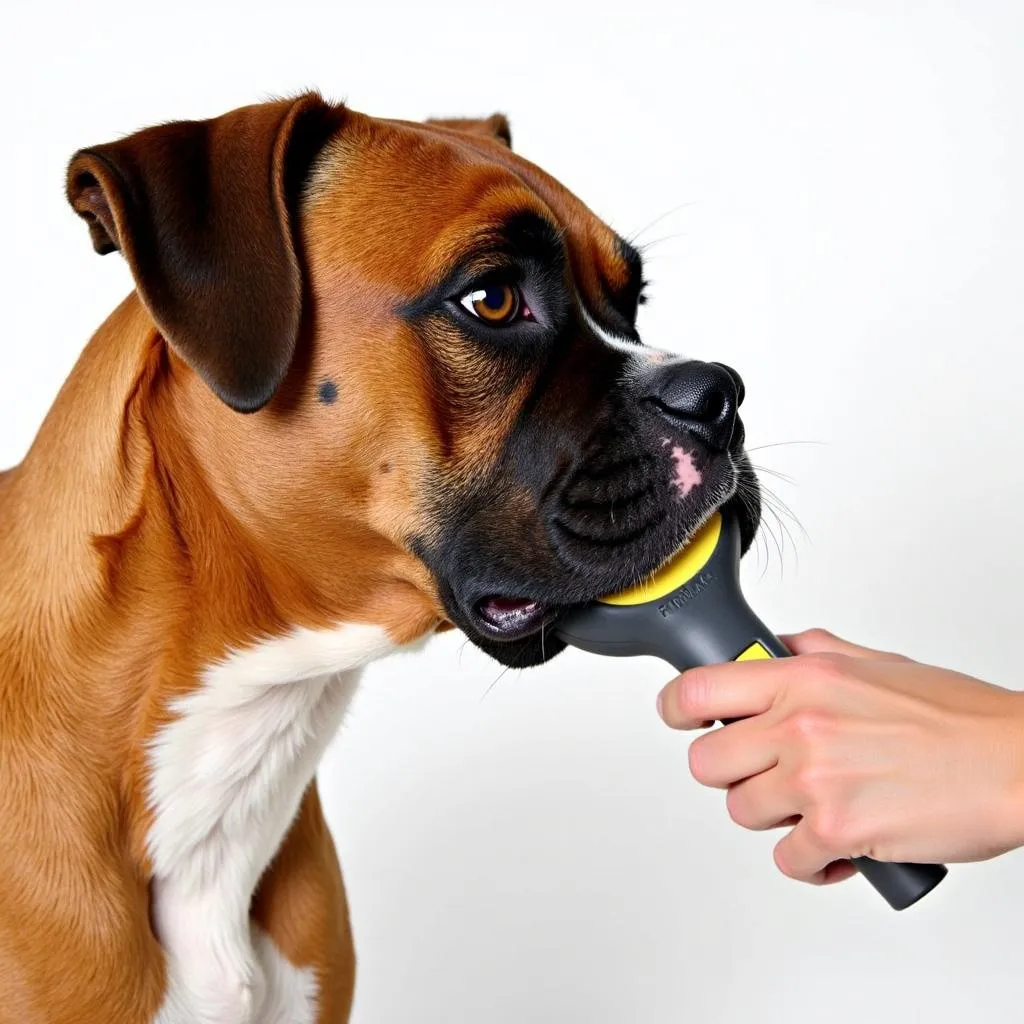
(721, 634)
(901, 885)
(706, 621)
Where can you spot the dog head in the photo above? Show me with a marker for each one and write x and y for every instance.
(415, 354)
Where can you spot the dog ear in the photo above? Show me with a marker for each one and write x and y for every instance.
(494, 127)
(204, 213)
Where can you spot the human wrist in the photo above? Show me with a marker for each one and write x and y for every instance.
(1008, 826)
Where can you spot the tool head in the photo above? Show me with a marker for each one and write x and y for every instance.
(690, 612)
(686, 563)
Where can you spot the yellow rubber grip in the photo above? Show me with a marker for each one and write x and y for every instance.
(755, 652)
(679, 569)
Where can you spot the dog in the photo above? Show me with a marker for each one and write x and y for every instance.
(376, 379)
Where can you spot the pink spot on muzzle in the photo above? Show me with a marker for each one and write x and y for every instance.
(687, 476)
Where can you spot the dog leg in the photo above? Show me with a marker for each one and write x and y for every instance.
(213, 974)
(300, 913)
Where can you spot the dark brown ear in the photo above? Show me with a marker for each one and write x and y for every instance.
(494, 127)
(204, 214)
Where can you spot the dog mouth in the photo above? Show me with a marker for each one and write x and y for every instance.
(507, 617)
(508, 597)
(511, 618)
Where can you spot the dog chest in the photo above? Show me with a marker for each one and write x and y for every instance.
(226, 779)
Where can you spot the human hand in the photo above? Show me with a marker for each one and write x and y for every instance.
(865, 753)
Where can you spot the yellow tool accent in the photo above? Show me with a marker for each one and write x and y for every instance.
(755, 652)
(680, 568)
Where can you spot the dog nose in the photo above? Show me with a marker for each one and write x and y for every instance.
(702, 398)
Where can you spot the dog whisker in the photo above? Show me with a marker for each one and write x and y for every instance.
(514, 664)
(775, 540)
(773, 530)
(780, 508)
(495, 683)
(773, 472)
(632, 239)
(645, 247)
(784, 444)
(746, 493)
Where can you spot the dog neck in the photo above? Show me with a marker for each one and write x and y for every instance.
(180, 656)
(130, 544)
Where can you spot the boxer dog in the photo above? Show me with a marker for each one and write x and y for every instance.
(375, 379)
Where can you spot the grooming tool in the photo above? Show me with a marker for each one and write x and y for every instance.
(692, 612)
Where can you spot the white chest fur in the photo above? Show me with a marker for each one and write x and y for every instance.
(227, 776)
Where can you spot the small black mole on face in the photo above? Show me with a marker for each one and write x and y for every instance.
(328, 392)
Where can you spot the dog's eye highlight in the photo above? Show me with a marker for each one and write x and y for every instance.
(495, 303)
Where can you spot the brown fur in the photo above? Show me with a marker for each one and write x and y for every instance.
(151, 527)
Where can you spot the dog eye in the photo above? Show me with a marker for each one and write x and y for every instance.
(496, 304)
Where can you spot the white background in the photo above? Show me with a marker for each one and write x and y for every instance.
(845, 182)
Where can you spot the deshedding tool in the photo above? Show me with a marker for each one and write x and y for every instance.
(692, 612)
